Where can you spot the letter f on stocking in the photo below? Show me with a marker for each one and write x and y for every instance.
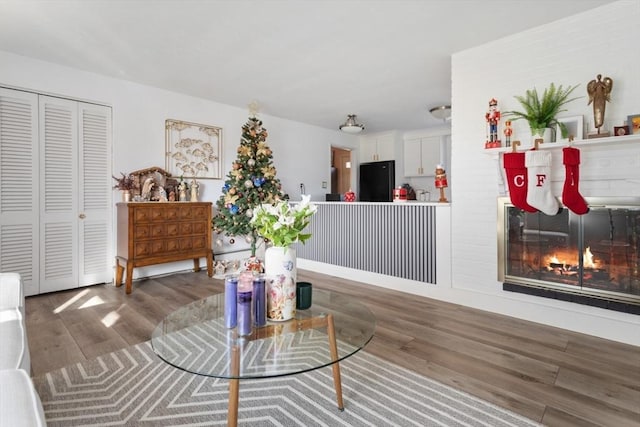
(540, 180)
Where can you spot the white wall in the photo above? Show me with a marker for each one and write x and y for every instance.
(568, 52)
(139, 113)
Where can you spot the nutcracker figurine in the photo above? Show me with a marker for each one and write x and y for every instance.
(441, 182)
(492, 117)
(508, 131)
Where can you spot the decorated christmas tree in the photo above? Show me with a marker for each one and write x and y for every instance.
(251, 182)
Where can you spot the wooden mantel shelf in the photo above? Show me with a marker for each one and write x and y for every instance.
(611, 140)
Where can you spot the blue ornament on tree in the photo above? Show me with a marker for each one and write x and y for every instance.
(262, 180)
(258, 182)
(233, 209)
(225, 188)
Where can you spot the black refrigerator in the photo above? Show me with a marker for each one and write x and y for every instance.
(377, 180)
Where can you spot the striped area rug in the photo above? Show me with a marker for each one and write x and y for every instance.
(133, 387)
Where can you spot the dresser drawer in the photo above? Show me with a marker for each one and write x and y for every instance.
(173, 229)
(172, 214)
(150, 248)
(141, 231)
(158, 230)
(149, 214)
(201, 227)
(186, 228)
(192, 243)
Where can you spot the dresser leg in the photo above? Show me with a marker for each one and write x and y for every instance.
(210, 265)
(119, 273)
(129, 276)
(196, 264)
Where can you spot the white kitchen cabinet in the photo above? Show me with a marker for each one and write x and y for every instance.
(421, 155)
(377, 148)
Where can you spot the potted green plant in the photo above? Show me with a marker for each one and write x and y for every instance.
(541, 112)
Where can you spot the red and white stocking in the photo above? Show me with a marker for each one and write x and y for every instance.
(539, 194)
(571, 196)
(517, 180)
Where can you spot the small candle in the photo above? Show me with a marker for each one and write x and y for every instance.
(231, 301)
(244, 313)
(259, 302)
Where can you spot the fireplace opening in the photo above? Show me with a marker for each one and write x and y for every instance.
(589, 259)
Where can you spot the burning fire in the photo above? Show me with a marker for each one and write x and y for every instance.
(569, 259)
(587, 258)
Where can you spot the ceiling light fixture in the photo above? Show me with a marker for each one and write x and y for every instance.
(442, 112)
(351, 126)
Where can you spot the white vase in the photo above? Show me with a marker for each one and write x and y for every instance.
(546, 134)
(280, 272)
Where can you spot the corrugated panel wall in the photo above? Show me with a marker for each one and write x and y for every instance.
(392, 239)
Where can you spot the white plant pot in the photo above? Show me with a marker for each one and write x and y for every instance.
(547, 135)
(280, 272)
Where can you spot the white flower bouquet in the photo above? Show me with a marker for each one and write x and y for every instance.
(283, 223)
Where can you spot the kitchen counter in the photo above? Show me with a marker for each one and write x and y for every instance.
(395, 239)
(407, 203)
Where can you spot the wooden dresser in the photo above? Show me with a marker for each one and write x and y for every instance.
(158, 232)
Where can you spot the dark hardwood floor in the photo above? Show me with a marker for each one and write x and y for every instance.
(550, 375)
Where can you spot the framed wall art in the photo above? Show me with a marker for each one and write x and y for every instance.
(574, 126)
(193, 150)
(634, 124)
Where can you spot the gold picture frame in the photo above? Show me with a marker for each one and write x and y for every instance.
(193, 150)
(633, 121)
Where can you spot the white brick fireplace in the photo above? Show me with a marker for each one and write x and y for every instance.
(569, 51)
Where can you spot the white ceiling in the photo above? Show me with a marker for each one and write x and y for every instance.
(311, 61)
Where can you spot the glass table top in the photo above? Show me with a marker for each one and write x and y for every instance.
(194, 338)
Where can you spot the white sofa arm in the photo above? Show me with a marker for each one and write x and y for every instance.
(11, 294)
(20, 405)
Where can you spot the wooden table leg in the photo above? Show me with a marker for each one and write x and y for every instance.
(337, 382)
(234, 388)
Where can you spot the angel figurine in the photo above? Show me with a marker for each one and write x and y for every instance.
(194, 190)
(182, 188)
(599, 93)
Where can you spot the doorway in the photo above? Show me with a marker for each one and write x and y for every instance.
(340, 170)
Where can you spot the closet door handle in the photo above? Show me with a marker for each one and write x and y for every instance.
(82, 216)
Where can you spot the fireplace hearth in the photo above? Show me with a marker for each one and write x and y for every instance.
(587, 259)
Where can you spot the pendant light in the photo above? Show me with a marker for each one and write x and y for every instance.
(351, 125)
(442, 112)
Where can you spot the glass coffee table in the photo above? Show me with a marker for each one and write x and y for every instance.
(194, 339)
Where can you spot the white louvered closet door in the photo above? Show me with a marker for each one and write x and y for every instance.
(94, 177)
(75, 187)
(59, 189)
(19, 175)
